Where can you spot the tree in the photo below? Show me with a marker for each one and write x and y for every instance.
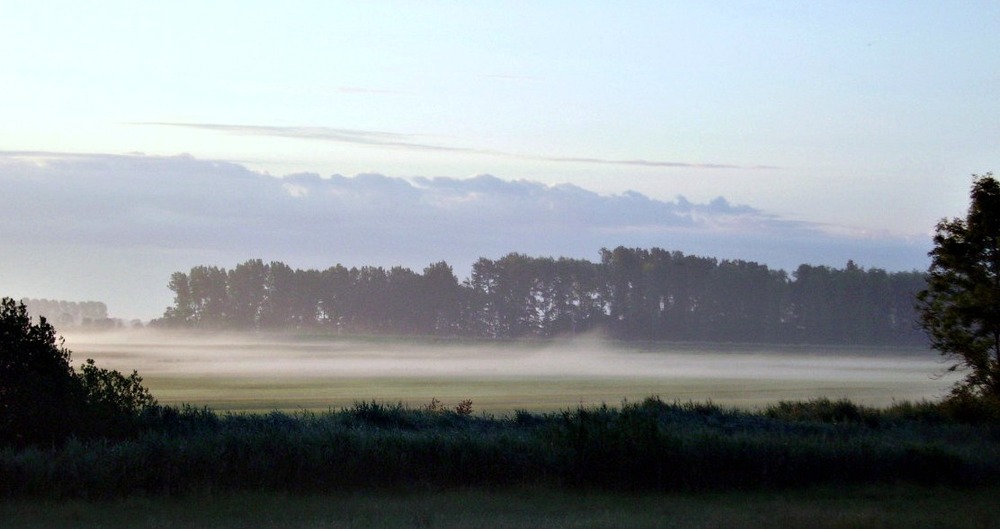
(960, 308)
(44, 400)
(183, 311)
(39, 392)
(247, 288)
(114, 402)
(441, 299)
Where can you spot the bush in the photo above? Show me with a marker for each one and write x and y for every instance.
(114, 401)
(39, 392)
(824, 410)
(968, 406)
(43, 400)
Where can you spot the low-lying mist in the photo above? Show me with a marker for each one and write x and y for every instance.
(516, 373)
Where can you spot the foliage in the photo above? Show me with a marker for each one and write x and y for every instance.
(960, 308)
(39, 392)
(44, 400)
(114, 401)
(464, 407)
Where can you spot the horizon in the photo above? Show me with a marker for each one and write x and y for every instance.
(140, 140)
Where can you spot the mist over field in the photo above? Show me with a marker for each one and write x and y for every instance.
(254, 372)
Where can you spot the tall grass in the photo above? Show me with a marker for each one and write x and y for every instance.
(650, 445)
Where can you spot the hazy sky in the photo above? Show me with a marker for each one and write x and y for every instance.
(140, 138)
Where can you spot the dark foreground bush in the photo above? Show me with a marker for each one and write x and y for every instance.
(957, 408)
(44, 401)
(642, 446)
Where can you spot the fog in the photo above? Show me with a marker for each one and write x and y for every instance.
(234, 370)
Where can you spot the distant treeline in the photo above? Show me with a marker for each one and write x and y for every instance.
(632, 294)
(61, 313)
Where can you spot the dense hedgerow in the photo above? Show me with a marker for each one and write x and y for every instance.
(650, 445)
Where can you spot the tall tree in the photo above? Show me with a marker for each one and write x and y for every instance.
(280, 307)
(337, 305)
(441, 299)
(484, 299)
(626, 292)
(247, 288)
(960, 308)
(209, 295)
(183, 311)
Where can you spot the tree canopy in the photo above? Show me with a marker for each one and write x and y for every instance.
(43, 399)
(960, 308)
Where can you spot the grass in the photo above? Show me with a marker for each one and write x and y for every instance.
(502, 394)
(817, 508)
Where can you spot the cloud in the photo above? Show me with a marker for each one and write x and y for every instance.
(416, 142)
(113, 228)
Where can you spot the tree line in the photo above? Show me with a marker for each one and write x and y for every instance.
(631, 293)
(70, 313)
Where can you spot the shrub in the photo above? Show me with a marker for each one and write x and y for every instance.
(824, 410)
(39, 392)
(464, 408)
(43, 400)
(114, 402)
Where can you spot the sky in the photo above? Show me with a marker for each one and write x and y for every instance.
(138, 139)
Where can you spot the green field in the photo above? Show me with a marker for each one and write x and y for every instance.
(502, 394)
(883, 507)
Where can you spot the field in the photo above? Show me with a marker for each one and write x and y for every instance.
(277, 372)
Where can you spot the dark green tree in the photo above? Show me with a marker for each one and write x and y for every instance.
(960, 308)
(39, 392)
(114, 401)
(44, 400)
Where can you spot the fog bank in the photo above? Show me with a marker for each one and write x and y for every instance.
(301, 372)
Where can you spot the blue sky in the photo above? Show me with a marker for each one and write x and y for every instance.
(860, 121)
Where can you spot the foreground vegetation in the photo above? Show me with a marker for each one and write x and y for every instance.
(647, 446)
